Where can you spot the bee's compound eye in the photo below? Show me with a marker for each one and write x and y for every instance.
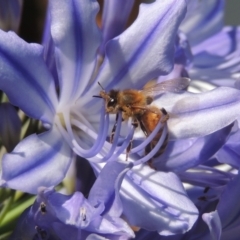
(112, 102)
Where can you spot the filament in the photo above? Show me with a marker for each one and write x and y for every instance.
(115, 139)
(151, 136)
(74, 140)
(152, 153)
(100, 137)
(124, 145)
(63, 131)
(84, 120)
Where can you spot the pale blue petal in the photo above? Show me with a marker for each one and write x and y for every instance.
(204, 176)
(38, 160)
(228, 207)
(183, 51)
(105, 184)
(113, 226)
(229, 155)
(114, 22)
(157, 201)
(183, 154)
(196, 115)
(146, 49)
(97, 237)
(75, 210)
(203, 19)
(225, 221)
(49, 48)
(217, 58)
(230, 152)
(214, 223)
(25, 78)
(76, 37)
(145, 235)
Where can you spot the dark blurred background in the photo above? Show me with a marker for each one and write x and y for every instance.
(32, 22)
(33, 16)
(232, 15)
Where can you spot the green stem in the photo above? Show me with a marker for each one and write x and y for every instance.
(6, 207)
(15, 212)
(5, 236)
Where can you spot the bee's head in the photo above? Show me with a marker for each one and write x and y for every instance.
(110, 98)
(111, 105)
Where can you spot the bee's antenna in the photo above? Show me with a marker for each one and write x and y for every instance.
(97, 96)
(101, 86)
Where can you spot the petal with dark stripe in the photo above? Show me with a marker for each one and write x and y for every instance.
(38, 160)
(25, 78)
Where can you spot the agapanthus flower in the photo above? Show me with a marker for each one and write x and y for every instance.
(73, 115)
(217, 204)
(58, 216)
(201, 26)
(195, 160)
(61, 98)
(215, 47)
(215, 59)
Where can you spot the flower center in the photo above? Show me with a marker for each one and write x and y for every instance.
(87, 143)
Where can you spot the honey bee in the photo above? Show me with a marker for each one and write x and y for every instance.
(137, 105)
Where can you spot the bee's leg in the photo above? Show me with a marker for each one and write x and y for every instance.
(143, 128)
(165, 115)
(129, 147)
(114, 129)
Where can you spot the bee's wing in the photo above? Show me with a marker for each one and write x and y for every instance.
(173, 85)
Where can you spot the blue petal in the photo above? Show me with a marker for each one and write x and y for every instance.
(230, 152)
(145, 235)
(26, 222)
(38, 160)
(76, 37)
(157, 201)
(183, 54)
(196, 115)
(214, 223)
(97, 237)
(25, 78)
(59, 207)
(219, 45)
(225, 221)
(10, 14)
(229, 155)
(203, 19)
(204, 176)
(49, 49)
(103, 189)
(10, 126)
(114, 22)
(228, 207)
(183, 154)
(75, 210)
(113, 226)
(146, 49)
(217, 58)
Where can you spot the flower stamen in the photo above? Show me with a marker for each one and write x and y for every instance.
(156, 148)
